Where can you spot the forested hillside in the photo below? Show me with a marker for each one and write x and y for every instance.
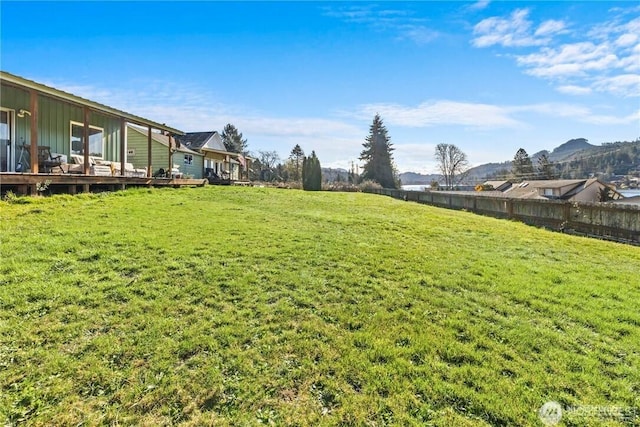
(575, 159)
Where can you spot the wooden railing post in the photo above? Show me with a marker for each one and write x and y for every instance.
(33, 149)
(123, 151)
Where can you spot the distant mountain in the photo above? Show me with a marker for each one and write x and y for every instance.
(574, 159)
(412, 178)
(335, 175)
(570, 147)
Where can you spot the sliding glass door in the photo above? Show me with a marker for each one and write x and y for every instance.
(7, 145)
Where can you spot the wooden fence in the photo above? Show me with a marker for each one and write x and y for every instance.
(603, 220)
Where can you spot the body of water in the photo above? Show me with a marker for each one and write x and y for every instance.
(630, 193)
(420, 187)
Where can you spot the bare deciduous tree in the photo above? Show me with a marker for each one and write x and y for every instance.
(452, 163)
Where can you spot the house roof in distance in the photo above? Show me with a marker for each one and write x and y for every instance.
(200, 140)
(22, 83)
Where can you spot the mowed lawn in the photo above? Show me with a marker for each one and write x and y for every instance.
(241, 306)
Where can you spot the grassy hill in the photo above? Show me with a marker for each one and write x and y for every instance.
(241, 306)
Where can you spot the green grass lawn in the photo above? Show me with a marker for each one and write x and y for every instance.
(241, 306)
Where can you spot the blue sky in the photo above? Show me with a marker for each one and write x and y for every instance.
(489, 77)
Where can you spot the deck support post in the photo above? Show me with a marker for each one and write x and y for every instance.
(33, 148)
(149, 171)
(123, 150)
(85, 141)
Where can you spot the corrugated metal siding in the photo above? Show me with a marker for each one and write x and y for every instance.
(138, 142)
(54, 123)
(16, 99)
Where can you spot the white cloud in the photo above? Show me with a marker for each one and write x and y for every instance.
(576, 112)
(416, 157)
(569, 59)
(625, 85)
(400, 21)
(574, 90)
(514, 31)
(550, 27)
(441, 112)
(606, 58)
(626, 40)
(479, 5)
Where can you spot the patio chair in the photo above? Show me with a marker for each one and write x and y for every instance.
(46, 161)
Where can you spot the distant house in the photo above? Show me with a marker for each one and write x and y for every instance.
(218, 162)
(575, 190)
(498, 185)
(166, 154)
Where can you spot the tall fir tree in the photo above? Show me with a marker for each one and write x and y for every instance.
(296, 156)
(377, 156)
(232, 139)
(522, 166)
(546, 168)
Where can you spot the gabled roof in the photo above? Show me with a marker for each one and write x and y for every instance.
(22, 83)
(499, 185)
(200, 140)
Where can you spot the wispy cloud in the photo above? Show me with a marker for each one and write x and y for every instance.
(574, 90)
(605, 58)
(515, 31)
(403, 22)
(441, 113)
(579, 113)
(479, 5)
(485, 116)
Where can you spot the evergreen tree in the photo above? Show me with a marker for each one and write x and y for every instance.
(311, 173)
(232, 139)
(296, 157)
(521, 166)
(377, 156)
(546, 168)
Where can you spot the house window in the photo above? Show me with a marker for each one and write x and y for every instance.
(548, 191)
(188, 159)
(96, 142)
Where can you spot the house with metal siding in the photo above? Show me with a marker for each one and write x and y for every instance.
(58, 124)
(189, 162)
(33, 115)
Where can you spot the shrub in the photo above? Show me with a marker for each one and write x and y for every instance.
(368, 185)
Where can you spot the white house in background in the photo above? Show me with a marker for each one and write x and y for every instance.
(219, 164)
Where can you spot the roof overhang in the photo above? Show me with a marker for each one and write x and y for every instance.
(211, 150)
(22, 83)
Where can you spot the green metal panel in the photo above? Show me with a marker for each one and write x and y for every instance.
(137, 141)
(54, 123)
(16, 99)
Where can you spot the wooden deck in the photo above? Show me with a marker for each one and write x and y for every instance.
(29, 183)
